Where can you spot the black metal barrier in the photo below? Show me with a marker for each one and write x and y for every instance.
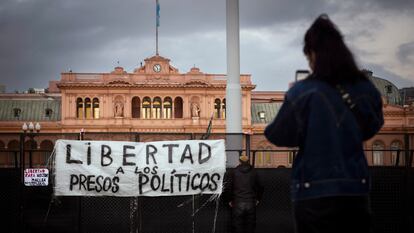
(392, 200)
(34, 209)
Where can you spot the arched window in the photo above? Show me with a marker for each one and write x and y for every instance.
(217, 107)
(95, 106)
(223, 109)
(79, 108)
(146, 108)
(291, 157)
(4, 156)
(88, 108)
(396, 147)
(178, 107)
(378, 153)
(30, 145)
(156, 108)
(46, 145)
(13, 145)
(268, 156)
(259, 156)
(136, 107)
(12, 158)
(167, 108)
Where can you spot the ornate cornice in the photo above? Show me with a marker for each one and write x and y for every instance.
(394, 113)
(150, 85)
(119, 82)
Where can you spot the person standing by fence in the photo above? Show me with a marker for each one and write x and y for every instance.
(244, 192)
(328, 116)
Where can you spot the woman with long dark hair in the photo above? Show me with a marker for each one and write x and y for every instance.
(328, 116)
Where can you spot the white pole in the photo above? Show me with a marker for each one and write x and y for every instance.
(233, 88)
(234, 138)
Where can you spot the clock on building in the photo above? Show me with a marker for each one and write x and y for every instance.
(157, 68)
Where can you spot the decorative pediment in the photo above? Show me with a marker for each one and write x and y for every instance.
(156, 65)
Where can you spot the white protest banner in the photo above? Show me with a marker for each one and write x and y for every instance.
(114, 168)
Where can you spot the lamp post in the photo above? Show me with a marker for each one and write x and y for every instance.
(28, 130)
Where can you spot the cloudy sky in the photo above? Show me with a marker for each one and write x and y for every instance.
(39, 39)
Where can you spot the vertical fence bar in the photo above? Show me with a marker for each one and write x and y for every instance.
(22, 136)
(16, 160)
(254, 158)
(79, 214)
(248, 145)
(407, 149)
(407, 188)
(192, 137)
(134, 202)
(30, 156)
(21, 199)
(397, 160)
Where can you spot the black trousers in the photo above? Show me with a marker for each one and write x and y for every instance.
(342, 214)
(244, 217)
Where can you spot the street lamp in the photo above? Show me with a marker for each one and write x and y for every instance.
(37, 127)
(31, 127)
(24, 127)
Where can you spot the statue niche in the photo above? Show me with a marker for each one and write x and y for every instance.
(195, 110)
(119, 107)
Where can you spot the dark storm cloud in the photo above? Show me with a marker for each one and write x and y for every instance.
(406, 53)
(399, 5)
(41, 38)
(268, 12)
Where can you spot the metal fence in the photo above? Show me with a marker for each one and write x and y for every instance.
(35, 209)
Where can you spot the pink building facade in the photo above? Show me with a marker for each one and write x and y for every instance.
(157, 98)
(154, 98)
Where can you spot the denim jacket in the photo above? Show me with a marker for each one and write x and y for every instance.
(330, 160)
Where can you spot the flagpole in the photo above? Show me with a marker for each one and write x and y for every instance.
(156, 40)
(157, 24)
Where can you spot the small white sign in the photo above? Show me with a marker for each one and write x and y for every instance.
(36, 177)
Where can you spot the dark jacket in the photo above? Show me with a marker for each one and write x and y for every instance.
(331, 160)
(244, 184)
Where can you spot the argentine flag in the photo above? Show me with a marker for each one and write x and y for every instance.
(158, 13)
